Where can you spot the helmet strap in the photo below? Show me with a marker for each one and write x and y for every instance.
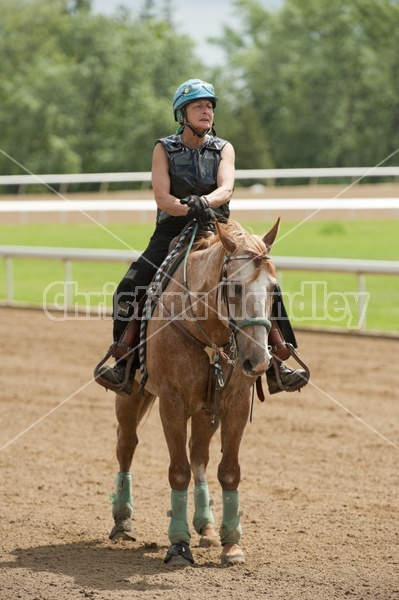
(180, 129)
(200, 135)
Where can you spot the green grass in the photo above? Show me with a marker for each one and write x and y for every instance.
(313, 299)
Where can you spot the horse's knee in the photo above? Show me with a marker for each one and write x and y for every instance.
(179, 477)
(229, 479)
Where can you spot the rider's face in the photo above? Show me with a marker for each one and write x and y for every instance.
(200, 114)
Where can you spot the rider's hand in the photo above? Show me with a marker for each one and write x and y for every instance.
(196, 205)
(206, 221)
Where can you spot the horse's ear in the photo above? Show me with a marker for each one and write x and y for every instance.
(271, 235)
(227, 240)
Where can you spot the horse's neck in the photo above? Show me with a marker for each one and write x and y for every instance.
(205, 268)
(203, 278)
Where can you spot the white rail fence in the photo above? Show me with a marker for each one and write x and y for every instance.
(268, 175)
(266, 208)
(359, 268)
(144, 210)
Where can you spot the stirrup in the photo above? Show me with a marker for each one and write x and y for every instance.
(305, 378)
(106, 383)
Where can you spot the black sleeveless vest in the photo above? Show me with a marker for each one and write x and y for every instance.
(193, 171)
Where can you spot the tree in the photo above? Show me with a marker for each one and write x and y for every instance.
(85, 92)
(76, 6)
(321, 78)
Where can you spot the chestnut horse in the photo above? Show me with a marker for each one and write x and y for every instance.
(207, 344)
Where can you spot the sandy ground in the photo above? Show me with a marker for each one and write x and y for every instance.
(319, 487)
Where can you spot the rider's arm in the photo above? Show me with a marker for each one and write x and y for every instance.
(225, 178)
(161, 185)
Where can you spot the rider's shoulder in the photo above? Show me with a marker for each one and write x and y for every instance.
(171, 142)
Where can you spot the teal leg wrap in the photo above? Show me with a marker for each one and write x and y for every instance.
(203, 513)
(122, 500)
(230, 530)
(179, 530)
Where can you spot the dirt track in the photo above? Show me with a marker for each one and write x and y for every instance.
(319, 485)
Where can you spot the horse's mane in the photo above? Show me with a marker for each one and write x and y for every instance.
(246, 242)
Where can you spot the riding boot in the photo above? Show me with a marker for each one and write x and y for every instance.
(293, 379)
(287, 379)
(125, 352)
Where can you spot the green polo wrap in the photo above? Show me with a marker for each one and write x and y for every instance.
(203, 513)
(230, 529)
(179, 530)
(122, 500)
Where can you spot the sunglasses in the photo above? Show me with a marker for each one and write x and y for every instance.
(192, 88)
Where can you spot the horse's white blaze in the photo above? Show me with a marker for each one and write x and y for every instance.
(253, 302)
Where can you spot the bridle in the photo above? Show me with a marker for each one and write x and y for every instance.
(234, 326)
(216, 380)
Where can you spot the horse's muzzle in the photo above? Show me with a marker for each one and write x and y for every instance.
(255, 370)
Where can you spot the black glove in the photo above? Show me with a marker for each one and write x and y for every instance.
(206, 221)
(196, 206)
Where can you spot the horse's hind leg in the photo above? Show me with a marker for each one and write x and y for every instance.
(203, 521)
(129, 413)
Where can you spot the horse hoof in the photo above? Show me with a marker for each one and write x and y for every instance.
(209, 538)
(179, 554)
(231, 555)
(122, 530)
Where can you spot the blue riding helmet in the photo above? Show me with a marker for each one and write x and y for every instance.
(190, 90)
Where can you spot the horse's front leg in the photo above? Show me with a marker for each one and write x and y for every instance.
(174, 421)
(233, 423)
(129, 412)
(203, 521)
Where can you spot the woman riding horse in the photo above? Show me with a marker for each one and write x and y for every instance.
(192, 178)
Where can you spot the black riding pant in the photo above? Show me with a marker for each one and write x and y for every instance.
(279, 313)
(133, 286)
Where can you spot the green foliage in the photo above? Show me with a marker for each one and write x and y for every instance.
(321, 77)
(310, 84)
(85, 92)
